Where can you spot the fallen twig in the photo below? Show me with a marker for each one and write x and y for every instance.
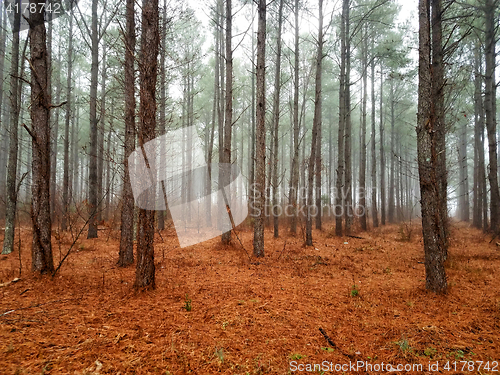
(10, 282)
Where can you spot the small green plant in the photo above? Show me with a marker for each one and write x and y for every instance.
(387, 270)
(219, 352)
(327, 349)
(404, 345)
(354, 291)
(297, 356)
(430, 352)
(459, 354)
(187, 303)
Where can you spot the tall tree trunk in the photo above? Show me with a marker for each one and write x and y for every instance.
(251, 159)
(126, 253)
(362, 159)
(41, 251)
(294, 177)
(276, 120)
(315, 131)
(348, 125)
(226, 237)
(489, 109)
(463, 175)
(373, 149)
(3, 125)
(148, 71)
(341, 173)
(430, 131)
(391, 171)
(382, 154)
(260, 155)
(66, 185)
(479, 173)
(163, 106)
(100, 136)
(11, 204)
(93, 183)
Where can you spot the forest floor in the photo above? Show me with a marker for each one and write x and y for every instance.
(216, 311)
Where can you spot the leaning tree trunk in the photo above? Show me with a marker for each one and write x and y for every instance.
(148, 70)
(260, 160)
(126, 253)
(430, 131)
(11, 204)
(41, 252)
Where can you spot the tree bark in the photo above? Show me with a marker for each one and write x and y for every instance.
(11, 197)
(430, 131)
(479, 172)
(382, 154)
(391, 202)
(94, 70)
(489, 109)
(41, 252)
(373, 149)
(228, 123)
(276, 120)
(294, 173)
(362, 159)
(260, 156)
(66, 184)
(315, 132)
(126, 253)
(148, 71)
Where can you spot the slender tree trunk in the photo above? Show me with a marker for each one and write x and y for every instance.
(374, 156)
(463, 175)
(348, 192)
(294, 178)
(382, 154)
(3, 106)
(66, 185)
(94, 70)
(126, 253)
(148, 71)
(315, 131)
(430, 130)
(260, 156)
(391, 171)
(11, 204)
(489, 106)
(226, 237)
(343, 139)
(41, 251)
(362, 159)
(163, 106)
(479, 173)
(251, 160)
(100, 136)
(276, 120)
